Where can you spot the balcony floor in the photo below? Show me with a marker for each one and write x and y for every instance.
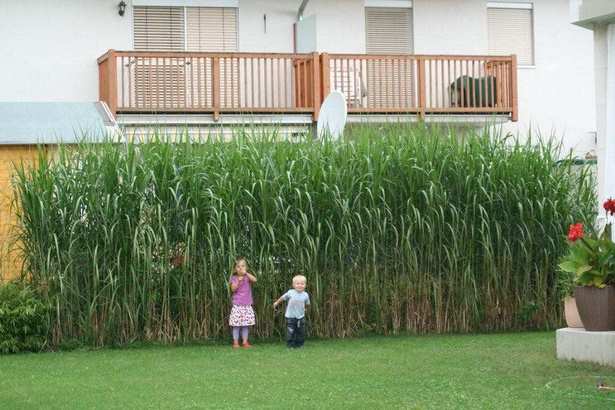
(207, 120)
(202, 125)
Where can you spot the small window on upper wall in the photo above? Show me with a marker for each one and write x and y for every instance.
(511, 30)
(388, 30)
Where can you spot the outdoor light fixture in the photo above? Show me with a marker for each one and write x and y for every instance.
(121, 8)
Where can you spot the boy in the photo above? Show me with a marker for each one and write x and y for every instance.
(297, 299)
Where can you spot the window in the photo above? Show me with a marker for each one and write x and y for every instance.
(159, 28)
(510, 30)
(211, 29)
(388, 30)
(381, 83)
(185, 28)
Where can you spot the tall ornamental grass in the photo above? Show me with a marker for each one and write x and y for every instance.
(397, 230)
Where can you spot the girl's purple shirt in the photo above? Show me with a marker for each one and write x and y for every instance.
(243, 294)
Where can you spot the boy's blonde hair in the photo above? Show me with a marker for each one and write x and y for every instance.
(297, 278)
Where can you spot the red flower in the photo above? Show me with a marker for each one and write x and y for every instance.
(575, 232)
(609, 206)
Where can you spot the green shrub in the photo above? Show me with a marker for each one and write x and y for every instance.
(23, 319)
(399, 230)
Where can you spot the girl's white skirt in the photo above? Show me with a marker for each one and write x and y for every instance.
(242, 315)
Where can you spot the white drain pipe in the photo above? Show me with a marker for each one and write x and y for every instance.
(608, 158)
(302, 9)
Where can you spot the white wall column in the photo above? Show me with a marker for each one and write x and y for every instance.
(608, 160)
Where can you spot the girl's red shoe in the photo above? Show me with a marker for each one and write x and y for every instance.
(235, 345)
(247, 345)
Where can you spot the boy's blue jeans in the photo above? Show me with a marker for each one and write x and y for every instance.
(295, 332)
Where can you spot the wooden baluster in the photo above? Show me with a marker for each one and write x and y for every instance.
(325, 77)
(401, 83)
(191, 77)
(121, 74)
(253, 81)
(464, 85)
(243, 90)
(315, 86)
(198, 99)
(448, 102)
(103, 76)
(215, 83)
(288, 102)
(421, 83)
(442, 85)
(498, 85)
(305, 84)
(475, 85)
(279, 78)
(482, 86)
(112, 83)
(407, 84)
(390, 76)
(513, 87)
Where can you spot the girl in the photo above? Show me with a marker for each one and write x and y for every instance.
(242, 314)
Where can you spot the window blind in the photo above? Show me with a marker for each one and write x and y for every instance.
(510, 31)
(388, 30)
(159, 28)
(211, 29)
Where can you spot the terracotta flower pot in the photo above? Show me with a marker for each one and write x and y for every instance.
(571, 313)
(596, 307)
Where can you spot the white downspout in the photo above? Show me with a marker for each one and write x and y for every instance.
(302, 9)
(608, 160)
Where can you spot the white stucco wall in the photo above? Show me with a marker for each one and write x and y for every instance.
(278, 35)
(49, 48)
(556, 96)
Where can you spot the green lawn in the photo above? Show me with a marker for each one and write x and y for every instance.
(475, 371)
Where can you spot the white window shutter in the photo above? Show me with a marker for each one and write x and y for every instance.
(158, 28)
(511, 31)
(212, 29)
(388, 30)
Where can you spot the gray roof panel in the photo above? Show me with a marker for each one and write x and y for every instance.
(30, 123)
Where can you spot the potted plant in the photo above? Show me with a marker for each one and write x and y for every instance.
(592, 261)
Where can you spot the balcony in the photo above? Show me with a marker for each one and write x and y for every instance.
(266, 83)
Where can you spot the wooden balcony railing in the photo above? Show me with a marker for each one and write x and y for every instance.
(425, 84)
(133, 81)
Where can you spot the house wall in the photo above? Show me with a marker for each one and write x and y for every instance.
(273, 34)
(49, 48)
(341, 25)
(51, 55)
(556, 96)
